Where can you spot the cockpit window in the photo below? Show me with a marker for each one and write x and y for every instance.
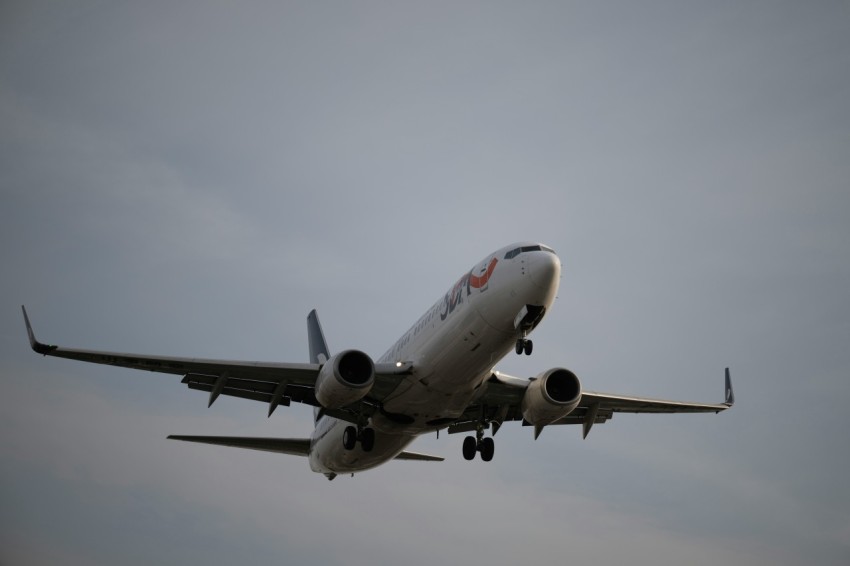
(516, 251)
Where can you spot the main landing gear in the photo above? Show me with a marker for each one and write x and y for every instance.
(477, 443)
(524, 345)
(351, 436)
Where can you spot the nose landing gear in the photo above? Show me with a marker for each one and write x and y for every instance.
(526, 320)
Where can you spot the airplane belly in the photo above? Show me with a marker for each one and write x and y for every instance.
(441, 390)
(463, 361)
(328, 455)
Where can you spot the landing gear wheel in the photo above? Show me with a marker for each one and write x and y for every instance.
(349, 438)
(487, 447)
(524, 345)
(367, 442)
(470, 446)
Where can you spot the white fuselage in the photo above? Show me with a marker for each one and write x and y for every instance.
(453, 348)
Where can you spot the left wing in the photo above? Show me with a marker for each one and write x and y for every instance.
(501, 401)
(269, 382)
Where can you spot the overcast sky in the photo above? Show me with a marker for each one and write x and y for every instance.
(192, 178)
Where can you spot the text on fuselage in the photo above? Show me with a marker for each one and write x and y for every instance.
(469, 281)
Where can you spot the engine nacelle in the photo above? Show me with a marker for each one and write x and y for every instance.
(345, 378)
(552, 395)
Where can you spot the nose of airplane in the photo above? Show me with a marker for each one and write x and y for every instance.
(545, 271)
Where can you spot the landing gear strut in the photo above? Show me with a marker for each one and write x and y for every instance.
(477, 443)
(351, 436)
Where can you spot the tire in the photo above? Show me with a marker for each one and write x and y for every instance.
(349, 438)
(368, 440)
(520, 344)
(528, 347)
(469, 448)
(487, 449)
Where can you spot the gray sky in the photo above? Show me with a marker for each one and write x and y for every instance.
(193, 178)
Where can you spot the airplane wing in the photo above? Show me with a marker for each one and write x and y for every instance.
(293, 446)
(269, 382)
(502, 399)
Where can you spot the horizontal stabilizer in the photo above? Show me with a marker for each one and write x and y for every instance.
(293, 446)
(419, 457)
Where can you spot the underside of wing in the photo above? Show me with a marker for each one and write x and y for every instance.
(502, 398)
(626, 404)
(268, 382)
(629, 404)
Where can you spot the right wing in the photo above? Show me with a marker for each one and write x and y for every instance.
(502, 395)
(268, 382)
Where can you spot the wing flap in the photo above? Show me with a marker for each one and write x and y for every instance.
(250, 395)
(581, 414)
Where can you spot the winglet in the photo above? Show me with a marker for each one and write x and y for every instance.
(35, 344)
(730, 395)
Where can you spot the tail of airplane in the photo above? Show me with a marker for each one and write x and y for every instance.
(319, 353)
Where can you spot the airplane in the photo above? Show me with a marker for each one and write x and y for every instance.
(439, 375)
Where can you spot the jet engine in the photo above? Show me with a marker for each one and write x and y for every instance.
(345, 378)
(552, 395)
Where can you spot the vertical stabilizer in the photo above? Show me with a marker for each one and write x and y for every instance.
(319, 353)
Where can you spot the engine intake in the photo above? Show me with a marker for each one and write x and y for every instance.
(552, 395)
(344, 379)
